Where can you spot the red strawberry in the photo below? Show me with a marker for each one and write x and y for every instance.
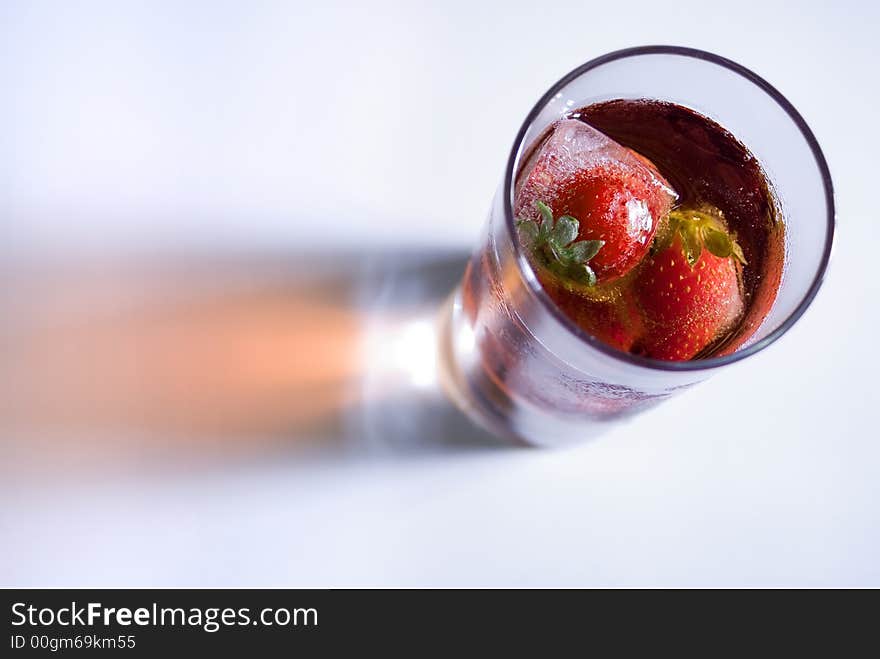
(617, 196)
(564, 268)
(619, 208)
(617, 322)
(690, 295)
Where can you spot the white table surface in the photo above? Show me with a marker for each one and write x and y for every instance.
(256, 124)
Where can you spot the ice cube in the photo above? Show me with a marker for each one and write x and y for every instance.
(572, 148)
(617, 195)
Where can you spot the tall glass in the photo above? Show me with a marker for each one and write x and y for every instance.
(521, 368)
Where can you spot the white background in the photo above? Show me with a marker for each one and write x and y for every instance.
(252, 122)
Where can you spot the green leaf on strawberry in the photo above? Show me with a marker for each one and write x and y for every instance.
(698, 229)
(552, 243)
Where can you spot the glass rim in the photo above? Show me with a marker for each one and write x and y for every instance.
(638, 360)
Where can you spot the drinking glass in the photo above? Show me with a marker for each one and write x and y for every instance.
(514, 363)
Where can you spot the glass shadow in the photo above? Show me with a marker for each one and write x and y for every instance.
(325, 353)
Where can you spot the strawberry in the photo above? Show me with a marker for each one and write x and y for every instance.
(564, 269)
(689, 287)
(552, 245)
(618, 207)
(618, 322)
(617, 195)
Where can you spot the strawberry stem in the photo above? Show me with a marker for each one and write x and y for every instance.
(698, 229)
(553, 243)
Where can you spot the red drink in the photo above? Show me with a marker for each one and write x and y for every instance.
(682, 181)
(635, 247)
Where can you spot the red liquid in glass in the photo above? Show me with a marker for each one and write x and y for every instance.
(707, 166)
